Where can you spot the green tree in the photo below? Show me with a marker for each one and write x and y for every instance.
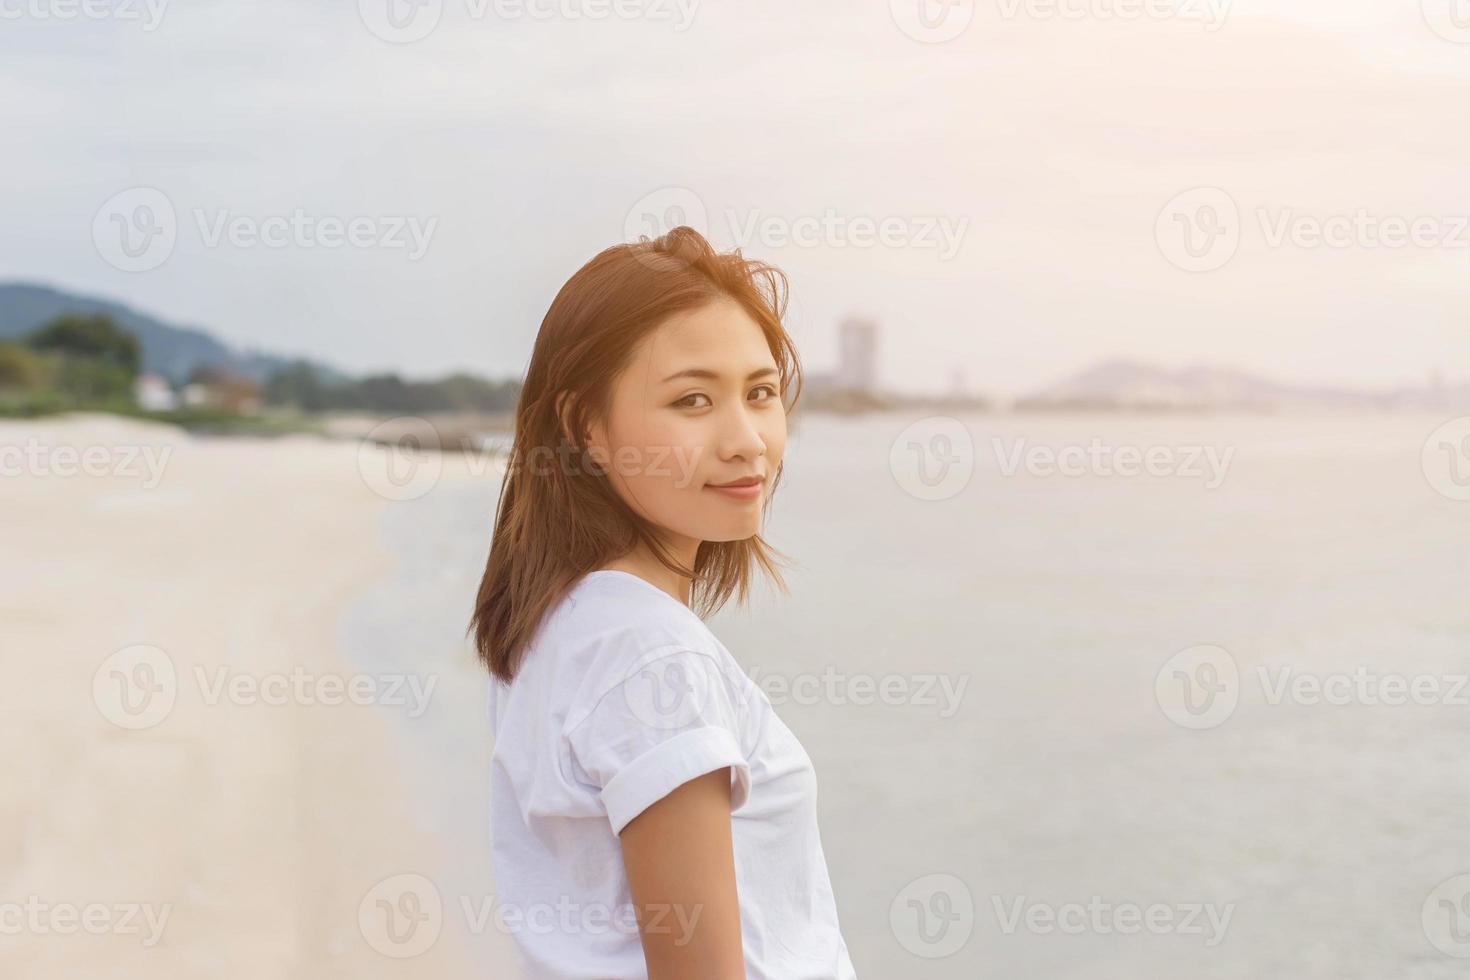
(297, 385)
(91, 380)
(91, 359)
(20, 370)
(93, 337)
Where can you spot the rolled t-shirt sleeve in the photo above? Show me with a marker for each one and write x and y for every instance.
(675, 717)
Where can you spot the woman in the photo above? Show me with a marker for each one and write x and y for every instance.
(651, 816)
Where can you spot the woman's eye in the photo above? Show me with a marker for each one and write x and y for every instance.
(688, 400)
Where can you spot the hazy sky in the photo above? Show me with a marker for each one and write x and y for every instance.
(1045, 138)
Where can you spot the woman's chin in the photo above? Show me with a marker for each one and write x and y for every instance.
(726, 531)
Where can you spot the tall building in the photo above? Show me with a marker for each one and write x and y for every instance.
(857, 354)
(958, 388)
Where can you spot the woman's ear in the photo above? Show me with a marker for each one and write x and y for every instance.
(591, 434)
(565, 403)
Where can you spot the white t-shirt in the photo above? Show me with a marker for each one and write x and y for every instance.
(624, 694)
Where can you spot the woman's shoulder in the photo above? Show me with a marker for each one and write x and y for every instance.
(613, 627)
(606, 606)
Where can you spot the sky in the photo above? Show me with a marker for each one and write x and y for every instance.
(1013, 189)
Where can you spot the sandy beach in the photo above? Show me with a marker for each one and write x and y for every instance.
(200, 782)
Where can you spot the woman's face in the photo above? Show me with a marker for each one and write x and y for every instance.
(698, 405)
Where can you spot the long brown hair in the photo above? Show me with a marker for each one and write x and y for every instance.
(556, 522)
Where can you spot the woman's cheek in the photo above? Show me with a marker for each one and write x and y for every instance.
(680, 457)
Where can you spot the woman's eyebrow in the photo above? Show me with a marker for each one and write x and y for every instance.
(715, 375)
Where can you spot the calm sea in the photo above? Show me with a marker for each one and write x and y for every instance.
(1203, 717)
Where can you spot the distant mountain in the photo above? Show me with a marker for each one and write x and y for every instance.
(170, 350)
(1131, 385)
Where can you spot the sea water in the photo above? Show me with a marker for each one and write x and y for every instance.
(987, 620)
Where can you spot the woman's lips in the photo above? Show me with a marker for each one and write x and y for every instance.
(749, 492)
